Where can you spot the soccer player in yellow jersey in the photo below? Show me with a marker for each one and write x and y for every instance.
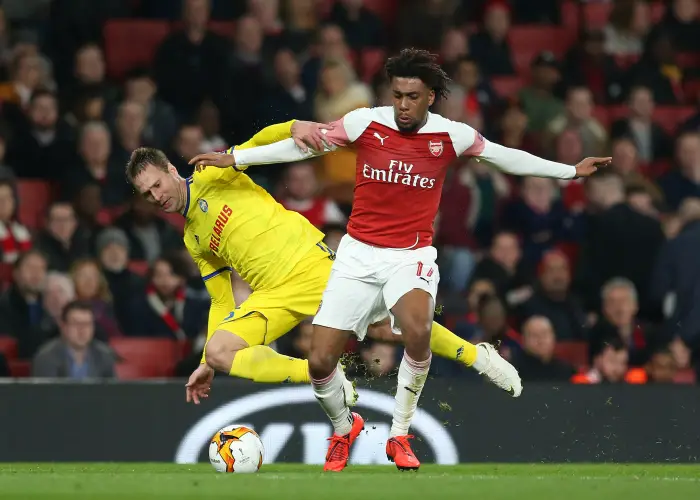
(232, 223)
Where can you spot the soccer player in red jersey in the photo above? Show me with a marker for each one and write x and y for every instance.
(385, 266)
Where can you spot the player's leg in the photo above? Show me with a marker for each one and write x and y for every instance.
(481, 357)
(237, 348)
(346, 308)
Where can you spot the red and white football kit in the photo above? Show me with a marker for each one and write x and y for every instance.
(388, 249)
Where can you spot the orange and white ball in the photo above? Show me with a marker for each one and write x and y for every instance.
(236, 449)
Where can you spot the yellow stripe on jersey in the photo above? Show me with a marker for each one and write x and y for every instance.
(234, 223)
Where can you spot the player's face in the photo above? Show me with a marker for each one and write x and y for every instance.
(161, 188)
(411, 102)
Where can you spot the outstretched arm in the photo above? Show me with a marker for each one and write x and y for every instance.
(305, 134)
(517, 162)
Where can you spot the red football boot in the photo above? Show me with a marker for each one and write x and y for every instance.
(339, 449)
(398, 450)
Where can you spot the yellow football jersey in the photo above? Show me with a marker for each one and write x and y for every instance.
(234, 223)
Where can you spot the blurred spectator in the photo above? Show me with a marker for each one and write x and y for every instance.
(626, 165)
(26, 78)
(608, 363)
(362, 27)
(91, 287)
(129, 127)
(659, 70)
(301, 195)
(42, 145)
(22, 314)
(542, 11)
(682, 23)
(620, 242)
(329, 44)
(479, 97)
(588, 65)
(538, 217)
(651, 140)
(492, 327)
(683, 181)
(301, 19)
(620, 306)
(288, 99)
(378, 359)
(339, 93)
(161, 122)
(14, 237)
(297, 343)
(554, 299)
(89, 106)
(166, 310)
(113, 254)
(98, 165)
(185, 56)
(629, 24)
(641, 200)
(76, 354)
(209, 122)
(454, 46)
(189, 142)
(504, 267)
(334, 233)
(244, 81)
(5, 46)
(62, 241)
(87, 205)
(89, 74)
(538, 100)
(267, 13)
(536, 362)
(579, 117)
(421, 23)
(512, 129)
(463, 324)
(675, 286)
(661, 367)
(490, 47)
(59, 292)
(149, 235)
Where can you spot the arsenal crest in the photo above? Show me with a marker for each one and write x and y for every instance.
(435, 147)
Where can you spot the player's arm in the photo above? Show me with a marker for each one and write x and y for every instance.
(217, 278)
(305, 135)
(340, 134)
(469, 142)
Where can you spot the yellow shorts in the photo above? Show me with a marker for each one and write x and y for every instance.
(268, 314)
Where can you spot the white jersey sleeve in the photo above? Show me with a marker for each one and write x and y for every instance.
(469, 142)
(343, 132)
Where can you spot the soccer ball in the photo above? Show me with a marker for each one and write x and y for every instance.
(236, 449)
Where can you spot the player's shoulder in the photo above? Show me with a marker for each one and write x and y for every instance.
(439, 124)
(358, 121)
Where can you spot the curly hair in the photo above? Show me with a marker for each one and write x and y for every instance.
(421, 64)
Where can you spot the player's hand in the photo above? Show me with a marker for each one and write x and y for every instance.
(589, 166)
(309, 134)
(199, 384)
(221, 160)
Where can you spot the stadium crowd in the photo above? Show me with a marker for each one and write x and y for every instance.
(588, 282)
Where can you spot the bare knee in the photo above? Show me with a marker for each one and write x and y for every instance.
(221, 350)
(415, 330)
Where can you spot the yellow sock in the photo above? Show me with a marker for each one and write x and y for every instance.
(260, 363)
(446, 344)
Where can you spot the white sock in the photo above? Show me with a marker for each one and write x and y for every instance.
(330, 393)
(482, 359)
(411, 379)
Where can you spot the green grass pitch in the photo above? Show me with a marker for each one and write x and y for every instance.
(291, 482)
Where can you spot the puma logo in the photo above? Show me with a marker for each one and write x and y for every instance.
(414, 391)
(381, 139)
(424, 279)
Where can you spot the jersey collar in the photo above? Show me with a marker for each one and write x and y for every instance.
(188, 182)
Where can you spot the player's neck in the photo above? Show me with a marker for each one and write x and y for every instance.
(182, 189)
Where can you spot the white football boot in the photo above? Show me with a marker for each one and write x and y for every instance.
(499, 371)
(351, 395)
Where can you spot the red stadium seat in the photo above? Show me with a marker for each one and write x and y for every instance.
(20, 368)
(371, 63)
(128, 371)
(132, 42)
(507, 87)
(595, 15)
(175, 219)
(671, 117)
(8, 347)
(658, 9)
(688, 59)
(34, 199)
(570, 15)
(685, 377)
(139, 267)
(573, 352)
(225, 29)
(602, 114)
(5, 275)
(529, 40)
(154, 356)
(691, 89)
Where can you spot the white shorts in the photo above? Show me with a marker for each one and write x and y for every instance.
(366, 282)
